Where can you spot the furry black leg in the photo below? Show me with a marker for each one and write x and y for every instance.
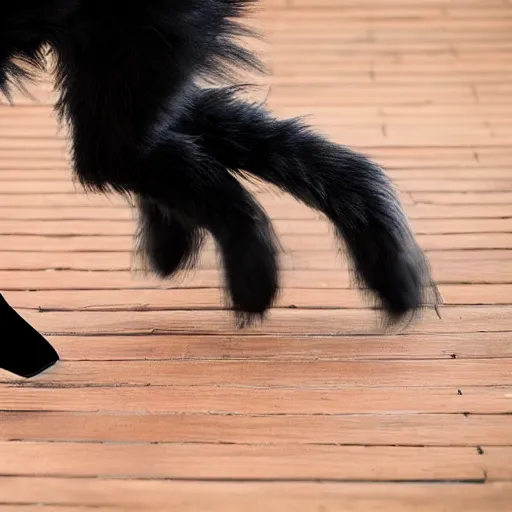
(353, 192)
(139, 125)
(167, 240)
(24, 351)
(207, 194)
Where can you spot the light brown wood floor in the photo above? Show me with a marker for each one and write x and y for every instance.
(160, 404)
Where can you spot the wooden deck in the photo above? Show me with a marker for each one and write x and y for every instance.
(160, 404)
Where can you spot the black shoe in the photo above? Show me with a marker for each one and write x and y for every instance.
(23, 351)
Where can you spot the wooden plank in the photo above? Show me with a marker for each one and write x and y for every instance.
(53, 508)
(289, 227)
(398, 3)
(280, 321)
(325, 260)
(252, 497)
(284, 348)
(295, 243)
(173, 398)
(479, 272)
(321, 374)
(292, 462)
(453, 198)
(211, 298)
(281, 209)
(378, 430)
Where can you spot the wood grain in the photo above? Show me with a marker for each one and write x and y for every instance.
(160, 403)
(103, 495)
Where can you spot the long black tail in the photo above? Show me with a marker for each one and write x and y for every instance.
(353, 192)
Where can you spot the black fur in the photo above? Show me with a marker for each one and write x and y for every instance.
(141, 125)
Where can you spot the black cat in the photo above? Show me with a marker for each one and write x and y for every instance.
(128, 75)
